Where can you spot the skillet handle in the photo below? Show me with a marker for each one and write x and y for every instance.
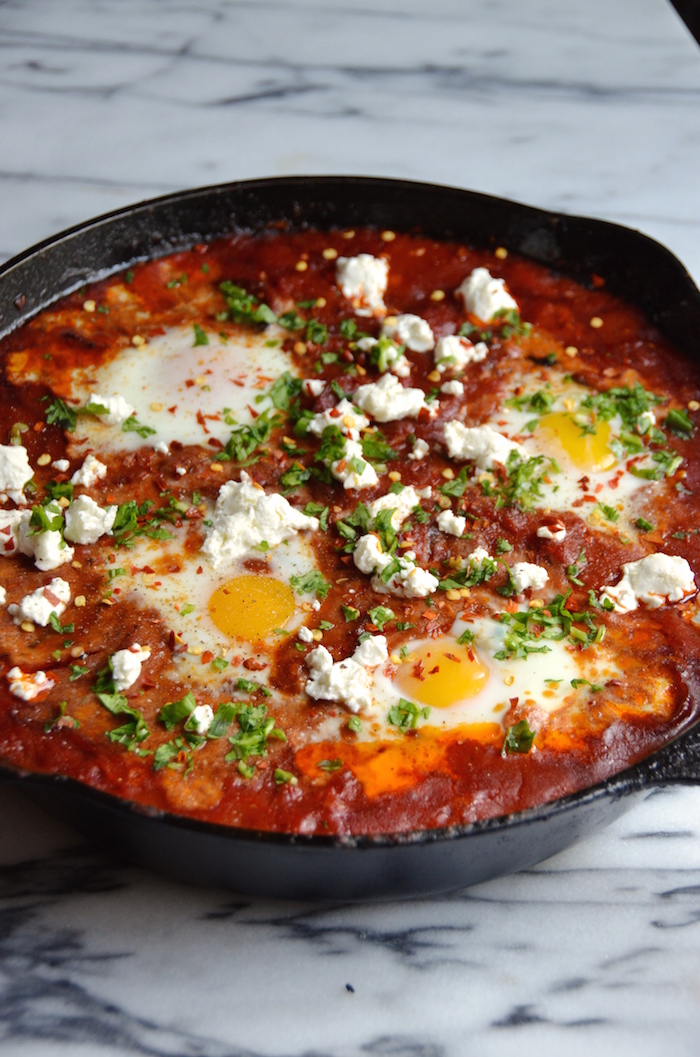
(677, 762)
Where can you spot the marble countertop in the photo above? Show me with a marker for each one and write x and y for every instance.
(589, 108)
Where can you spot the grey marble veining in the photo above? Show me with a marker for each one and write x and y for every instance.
(590, 108)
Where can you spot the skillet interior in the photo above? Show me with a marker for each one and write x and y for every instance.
(634, 266)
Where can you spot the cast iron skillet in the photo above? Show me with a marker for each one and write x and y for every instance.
(391, 865)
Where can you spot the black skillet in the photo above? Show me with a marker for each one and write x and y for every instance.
(391, 865)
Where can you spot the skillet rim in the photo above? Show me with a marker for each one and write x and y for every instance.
(669, 763)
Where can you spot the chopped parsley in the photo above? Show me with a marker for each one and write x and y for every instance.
(519, 738)
(406, 714)
(243, 307)
(200, 335)
(312, 583)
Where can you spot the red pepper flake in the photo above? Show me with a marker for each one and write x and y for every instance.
(202, 423)
(590, 499)
(417, 671)
(254, 413)
(189, 382)
(429, 615)
(452, 657)
(253, 665)
(172, 409)
(513, 701)
(200, 570)
(435, 670)
(207, 657)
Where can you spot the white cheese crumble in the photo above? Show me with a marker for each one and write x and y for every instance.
(480, 557)
(654, 580)
(26, 686)
(47, 548)
(420, 450)
(525, 574)
(15, 471)
(180, 471)
(453, 353)
(348, 474)
(389, 355)
(305, 635)
(200, 718)
(91, 471)
(86, 521)
(346, 417)
(62, 465)
(126, 666)
(40, 604)
(452, 524)
(402, 503)
(245, 515)
(313, 386)
(409, 330)
(363, 280)
(11, 537)
(348, 682)
(3, 596)
(407, 581)
(387, 400)
(162, 448)
(480, 444)
(484, 296)
(453, 388)
(118, 409)
(555, 531)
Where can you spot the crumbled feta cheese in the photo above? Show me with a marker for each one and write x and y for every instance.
(654, 580)
(304, 635)
(354, 476)
(245, 515)
(162, 448)
(411, 331)
(15, 471)
(126, 666)
(453, 524)
(313, 386)
(363, 280)
(40, 604)
(555, 531)
(316, 604)
(346, 417)
(388, 356)
(180, 471)
(525, 574)
(62, 465)
(26, 686)
(200, 718)
(453, 388)
(402, 503)
(480, 557)
(3, 596)
(118, 409)
(420, 449)
(11, 535)
(91, 471)
(387, 400)
(86, 521)
(48, 548)
(454, 353)
(480, 444)
(484, 296)
(348, 682)
(407, 581)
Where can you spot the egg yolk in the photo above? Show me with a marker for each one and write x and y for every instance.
(442, 674)
(587, 451)
(250, 607)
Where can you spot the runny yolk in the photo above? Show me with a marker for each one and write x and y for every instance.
(442, 674)
(250, 607)
(587, 451)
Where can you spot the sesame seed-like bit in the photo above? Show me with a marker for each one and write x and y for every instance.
(77, 651)
(200, 379)
(388, 236)
(571, 350)
(108, 601)
(569, 404)
(63, 501)
(693, 405)
(155, 406)
(195, 651)
(536, 603)
(216, 467)
(77, 565)
(596, 322)
(300, 347)
(301, 266)
(509, 680)
(44, 459)
(330, 254)
(89, 306)
(394, 658)
(464, 592)
(443, 502)
(501, 252)
(437, 295)
(349, 234)
(27, 625)
(394, 475)
(405, 544)
(434, 376)
(453, 595)
(321, 302)
(317, 635)
(360, 369)
(448, 474)
(79, 601)
(348, 421)
(138, 341)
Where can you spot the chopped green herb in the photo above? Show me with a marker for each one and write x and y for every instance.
(380, 616)
(355, 725)
(200, 335)
(132, 425)
(311, 583)
(405, 715)
(350, 613)
(679, 422)
(643, 525)
(285, 777)
(519, 738)
(330, 765)
(58, 413)
(243, 308)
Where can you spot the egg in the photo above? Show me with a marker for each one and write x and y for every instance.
(181, 391)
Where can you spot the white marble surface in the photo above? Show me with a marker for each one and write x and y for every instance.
(591, 108)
